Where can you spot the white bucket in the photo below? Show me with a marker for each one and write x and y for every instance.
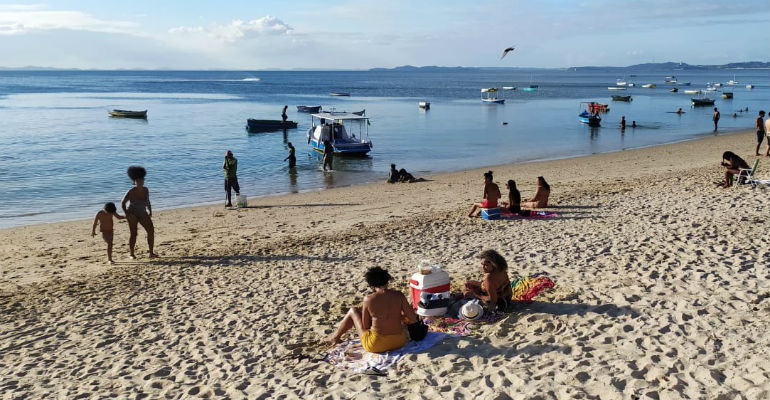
(240, 201)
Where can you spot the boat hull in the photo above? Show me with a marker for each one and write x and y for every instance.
(128, 114)
(621, 98)
(493, 101)
(309, 109)
(344, 149)
(339, 94)
(268, 125)
(589, 119)
(702, 102)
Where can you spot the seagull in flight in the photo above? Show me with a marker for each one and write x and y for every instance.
(506, 51)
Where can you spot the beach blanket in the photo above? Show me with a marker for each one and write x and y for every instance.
(526, 288)
(532, 214)
(351, 355)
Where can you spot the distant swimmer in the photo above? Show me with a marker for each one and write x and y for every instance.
(633, 124)
(679, 111)
(506, 51)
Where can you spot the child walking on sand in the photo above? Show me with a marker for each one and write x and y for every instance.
(104, 219)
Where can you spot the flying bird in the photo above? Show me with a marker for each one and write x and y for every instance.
(506, 51)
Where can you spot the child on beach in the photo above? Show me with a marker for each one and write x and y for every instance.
(380, 320)
(139, 210)
(491, 195)
(104, 219)
(495, 290)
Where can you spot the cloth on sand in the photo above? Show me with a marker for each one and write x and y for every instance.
(532, 214)
(526, 288)
(351, 355)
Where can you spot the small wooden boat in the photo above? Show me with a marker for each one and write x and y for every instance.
(424, 105)
(621, 98)
(727, 95)
(268, 125)
(309, 109)
(673, 90)
(616, 88)
(342, 94)
(128, 114)
(703, 101)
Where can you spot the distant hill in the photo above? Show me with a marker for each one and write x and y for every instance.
(429, 68)
(666, 66)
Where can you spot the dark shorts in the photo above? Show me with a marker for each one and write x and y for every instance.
(761, 136)
(232, 184)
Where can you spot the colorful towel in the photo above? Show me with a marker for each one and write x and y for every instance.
(351, 355)
(525, 289)
(532, 214)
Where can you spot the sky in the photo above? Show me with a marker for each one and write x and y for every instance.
(361, 34)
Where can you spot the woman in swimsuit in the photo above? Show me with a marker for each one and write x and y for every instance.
(380, 320)
(496, 287)
(491, 195)
(139, 210)
(513, 205)
(540, 199)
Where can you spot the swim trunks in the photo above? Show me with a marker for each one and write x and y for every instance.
(374, 342)
(760, 136)
(486, 203)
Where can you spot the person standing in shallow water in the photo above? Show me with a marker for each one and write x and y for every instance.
(716, 118)
(291, 157)
(328, 155)
(230, 168)
(139, 210)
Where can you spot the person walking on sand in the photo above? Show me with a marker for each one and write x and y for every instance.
(380, 321)
(230, 168)
(284, 117)
(139, 210)
(715, 118)
(291, 157)
(328, 155)
(104, 219)
(761, 132)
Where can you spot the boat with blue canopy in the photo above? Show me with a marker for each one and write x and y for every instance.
(348, 133)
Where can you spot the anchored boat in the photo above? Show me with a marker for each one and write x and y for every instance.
(128, 114)
(703, 101)
(309, 109)
(488, 97)
(268, 125)
(340, 129)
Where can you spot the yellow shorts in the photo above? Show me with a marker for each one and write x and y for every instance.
(374, 342)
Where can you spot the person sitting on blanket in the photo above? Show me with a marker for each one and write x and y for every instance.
(513, 205)
(380, 320)
(496, 289)
(491, 195)
(540, 199)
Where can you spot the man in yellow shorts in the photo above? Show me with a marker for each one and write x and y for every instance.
(380, 320)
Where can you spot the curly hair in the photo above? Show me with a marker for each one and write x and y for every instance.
(136, 172)
(110, 207)
(495, 259)
(377, 277)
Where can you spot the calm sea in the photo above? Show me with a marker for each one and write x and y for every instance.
(62, 157)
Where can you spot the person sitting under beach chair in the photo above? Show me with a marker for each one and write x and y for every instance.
(380, 320)
(495, 290)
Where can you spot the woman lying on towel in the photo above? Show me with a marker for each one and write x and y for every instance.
(496, 287)
(379, 321)
(491, 195)
(540, 199)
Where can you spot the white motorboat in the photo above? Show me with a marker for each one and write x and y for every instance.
(488, 96)
(693, 91)
(339, 129)
(649, 85)
(749, 86)
(424, 105)
(615, 88)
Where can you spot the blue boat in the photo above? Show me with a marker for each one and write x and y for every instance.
(348, 133)
(590, 119)
(488, 97)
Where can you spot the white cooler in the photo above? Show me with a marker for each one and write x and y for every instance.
(430, 292)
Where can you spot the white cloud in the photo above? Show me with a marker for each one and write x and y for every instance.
(18, 19)
(238, 29)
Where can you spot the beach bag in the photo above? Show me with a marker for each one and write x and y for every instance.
(417, 330)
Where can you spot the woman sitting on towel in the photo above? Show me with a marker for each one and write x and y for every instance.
(380, 320)
(496, 288)
(540, 199)
(734, 164)
(513, 205)
(491, 195)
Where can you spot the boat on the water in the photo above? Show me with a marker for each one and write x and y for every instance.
(268, 125)
(509, 87)
(631, 84)
(340, 129)
(359, 113)
(128, 114)
(340, 94)
(615, 88)
(649, 85)
(621, 82)
(703, 101)
(621, 98)
(693, 91)
(683, 83)
(488, 96)
(673, 90)
(671, 80)
(732, 81)
(425, 105)
(309, 109)
(590, 119)
(749, 86)
(727, 95)
(717, 84)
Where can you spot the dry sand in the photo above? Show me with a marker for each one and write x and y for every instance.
(662, 289)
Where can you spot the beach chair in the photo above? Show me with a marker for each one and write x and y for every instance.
(746, 175)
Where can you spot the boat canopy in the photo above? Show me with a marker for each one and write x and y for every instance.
(488, 90)
(342, 116)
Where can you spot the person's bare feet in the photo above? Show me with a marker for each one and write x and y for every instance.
(153, 255)
(332, 340)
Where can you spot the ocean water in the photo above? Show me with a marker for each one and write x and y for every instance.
(62, 157)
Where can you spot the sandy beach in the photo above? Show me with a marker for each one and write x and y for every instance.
(662, 289)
